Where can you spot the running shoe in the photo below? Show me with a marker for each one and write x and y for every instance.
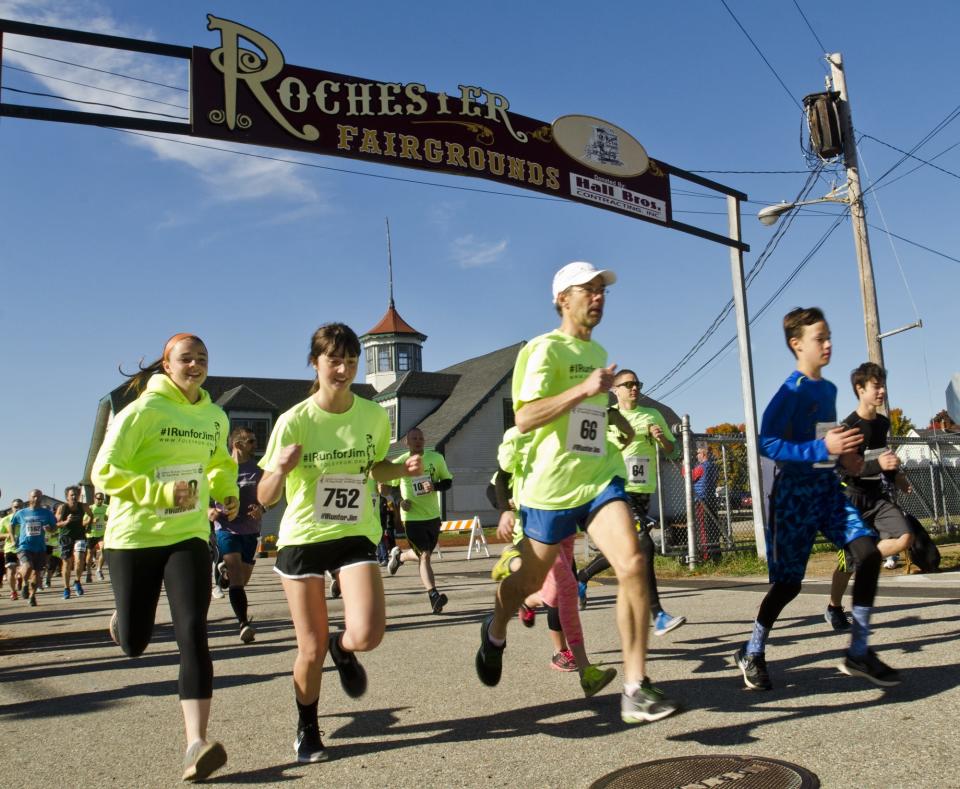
(891, 563)
(502, 568)
(46, 582)
(563, 661)
(78, 589)
(33, 599)
(754, 668)
(352, 676)
(582, 594)
(437, 601)
(489, 660)
(837, 618)
(201, 759)
(309, 746)
(114, 628)
(247, 633)
(335, 588)
(664, 623)
(222, 570)
(395, 562)
(646, 704)
(594, 679)
(217, 592)
(14, 595)
(89, 578)
(870, 667)
(527, 615)
(66, 593)
(100, 575)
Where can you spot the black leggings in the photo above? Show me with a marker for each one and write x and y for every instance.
(600, 563)
(183, 569)
(867, 557)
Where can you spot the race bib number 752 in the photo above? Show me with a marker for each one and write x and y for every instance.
(340, 499)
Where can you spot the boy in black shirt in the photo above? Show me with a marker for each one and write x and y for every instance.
(866, 489)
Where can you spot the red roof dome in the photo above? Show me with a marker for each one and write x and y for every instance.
(392, 323)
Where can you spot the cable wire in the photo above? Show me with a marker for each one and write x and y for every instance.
(94, 103)
(100, 70)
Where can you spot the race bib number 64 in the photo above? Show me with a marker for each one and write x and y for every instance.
(587, 430)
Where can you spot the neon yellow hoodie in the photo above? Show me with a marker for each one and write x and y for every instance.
(157, 441)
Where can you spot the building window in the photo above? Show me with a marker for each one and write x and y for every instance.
(508, 418)
(384, 358)
(371, 360)
(260, 428)
(405, 358)
(392, 416)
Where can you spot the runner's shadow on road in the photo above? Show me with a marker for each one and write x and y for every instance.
(724, 695)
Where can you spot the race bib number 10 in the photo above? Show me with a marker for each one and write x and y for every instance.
(420, 486)
(587, 430)
(340, 499)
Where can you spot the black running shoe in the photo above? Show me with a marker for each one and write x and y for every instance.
(754, 668)
(837, 618)
(437, 601)
(870, 667)
(352, 676)
(309, 746)
(489, 660)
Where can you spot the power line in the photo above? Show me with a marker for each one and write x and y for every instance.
(100, 70)
(94, 103)
(823, 49)
(749, 172)
(8, 67)
(760, 53)
(924, 247)
(912, 156)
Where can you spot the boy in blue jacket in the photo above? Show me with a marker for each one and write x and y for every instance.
(800, 432)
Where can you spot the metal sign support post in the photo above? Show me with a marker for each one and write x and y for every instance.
(746, 375)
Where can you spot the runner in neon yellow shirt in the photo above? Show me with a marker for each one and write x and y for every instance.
(327, 453)
(650, 432)
(96, 528)
(420, 512)
(561, 382)
(9, 535)
(164, 456)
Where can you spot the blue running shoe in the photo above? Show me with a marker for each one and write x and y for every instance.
(664, 623)
(582, 594)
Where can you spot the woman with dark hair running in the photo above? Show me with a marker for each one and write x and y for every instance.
(327, 453)
(163, 458)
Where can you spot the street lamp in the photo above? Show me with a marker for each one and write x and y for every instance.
(772, 213)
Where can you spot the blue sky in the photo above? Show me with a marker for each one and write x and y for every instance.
(113, 242)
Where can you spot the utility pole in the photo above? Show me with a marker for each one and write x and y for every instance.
(868, 291)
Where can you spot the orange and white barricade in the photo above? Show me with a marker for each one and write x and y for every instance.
(476, 535)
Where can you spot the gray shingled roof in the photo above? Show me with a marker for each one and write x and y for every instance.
(477, 380)
(244, 397)
(420, 384)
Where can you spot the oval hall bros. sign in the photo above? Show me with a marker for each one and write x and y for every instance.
(252, 96)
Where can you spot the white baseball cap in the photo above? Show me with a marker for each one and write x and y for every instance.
(579, 273)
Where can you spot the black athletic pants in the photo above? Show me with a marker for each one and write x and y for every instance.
(183, 569)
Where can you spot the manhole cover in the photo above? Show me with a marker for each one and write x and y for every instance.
(706, 772)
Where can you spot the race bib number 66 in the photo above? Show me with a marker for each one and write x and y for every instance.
(587, 430)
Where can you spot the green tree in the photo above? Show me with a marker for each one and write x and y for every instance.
(900, 425)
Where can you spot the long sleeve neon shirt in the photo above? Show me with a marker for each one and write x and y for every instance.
(159, 440)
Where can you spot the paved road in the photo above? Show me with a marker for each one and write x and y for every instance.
(72, 706)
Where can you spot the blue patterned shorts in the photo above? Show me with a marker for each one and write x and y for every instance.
(802, 506)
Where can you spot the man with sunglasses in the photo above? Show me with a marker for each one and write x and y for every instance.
(650, 432)
(96, 523)
(237, 539)
(574, 478)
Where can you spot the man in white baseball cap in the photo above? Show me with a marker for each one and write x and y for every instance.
(574, 478)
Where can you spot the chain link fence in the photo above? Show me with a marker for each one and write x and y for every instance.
(715, 512)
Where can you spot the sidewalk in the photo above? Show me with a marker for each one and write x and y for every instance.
(428, 722)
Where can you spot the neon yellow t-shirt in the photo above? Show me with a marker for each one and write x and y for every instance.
(6, 532)
(511, 457)
(569, 460)
(159, 441)
(424, 506)
(330, 494)
(98, 525)
(640, 456)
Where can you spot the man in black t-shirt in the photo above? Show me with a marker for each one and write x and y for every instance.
(867, 489)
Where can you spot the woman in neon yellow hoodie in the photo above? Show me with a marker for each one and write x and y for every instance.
(164, 456)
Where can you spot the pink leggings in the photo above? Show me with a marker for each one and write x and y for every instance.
(559, 591)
